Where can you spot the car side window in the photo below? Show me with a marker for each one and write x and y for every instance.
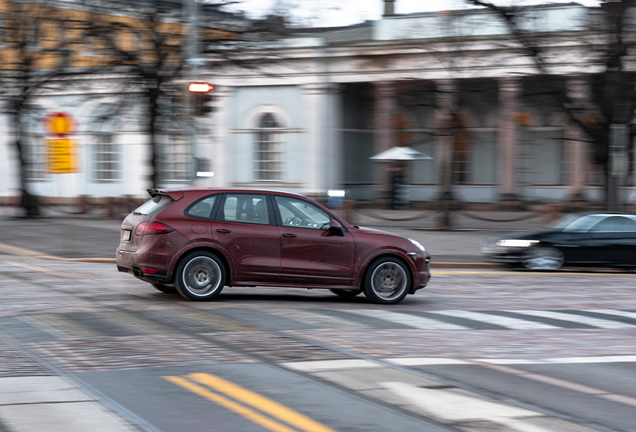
(615, 224)
(202, 209)
(299, 213)
(248, 208)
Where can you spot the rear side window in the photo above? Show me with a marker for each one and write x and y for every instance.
(202, 208)
(247, 208)
(153, 206)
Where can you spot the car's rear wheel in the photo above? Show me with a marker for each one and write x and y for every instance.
(346, 292)
(200, 276)
(543, 258)
(387, 281)
(164, 288)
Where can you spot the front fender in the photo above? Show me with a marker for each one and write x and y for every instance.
(364, 262)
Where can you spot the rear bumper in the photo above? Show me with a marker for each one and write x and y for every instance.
(141, 266)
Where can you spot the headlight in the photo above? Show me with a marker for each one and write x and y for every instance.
(516, 243)
(418, 245)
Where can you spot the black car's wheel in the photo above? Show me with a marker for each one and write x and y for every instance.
(168, 289)
(543, 258)
(387, 281)
(346, 292)
(200, 276)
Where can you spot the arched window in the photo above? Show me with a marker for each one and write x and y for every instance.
(268, 157)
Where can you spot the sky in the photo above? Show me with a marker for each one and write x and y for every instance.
(333, 13)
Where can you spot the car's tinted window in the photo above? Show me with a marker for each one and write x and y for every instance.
(615, 224)
(250, 208)
(154, 205)
(299, 213)
(584, 223)
(202, 208)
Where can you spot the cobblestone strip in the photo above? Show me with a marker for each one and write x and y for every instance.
(134, 352)
(14, 363)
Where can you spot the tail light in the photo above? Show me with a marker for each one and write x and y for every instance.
(152, 228)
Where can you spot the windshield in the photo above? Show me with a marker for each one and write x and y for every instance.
(155, 205)
(575, 222)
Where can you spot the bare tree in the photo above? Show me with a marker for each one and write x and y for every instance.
(611, 90)
(38, 41)
(162, 59)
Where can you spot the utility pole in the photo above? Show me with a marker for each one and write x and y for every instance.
(192, 63)
(617, 167)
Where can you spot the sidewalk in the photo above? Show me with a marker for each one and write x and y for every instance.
(58, 235)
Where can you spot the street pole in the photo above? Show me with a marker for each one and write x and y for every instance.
(617, 166)
(192, 62)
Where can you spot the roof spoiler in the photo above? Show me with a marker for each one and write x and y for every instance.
(175, 194)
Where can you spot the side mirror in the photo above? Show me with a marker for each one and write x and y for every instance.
(336, 230)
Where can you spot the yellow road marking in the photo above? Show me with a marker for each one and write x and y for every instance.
(240, 396)
(40, 269)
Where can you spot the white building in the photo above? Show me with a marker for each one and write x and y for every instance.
(312, 109)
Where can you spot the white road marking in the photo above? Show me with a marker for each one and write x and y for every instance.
(511, 323)
(620, 313)
(410, 320)
(596, 322)
(454, 404)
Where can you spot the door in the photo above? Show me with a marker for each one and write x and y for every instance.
(613, 240)
(245, 230)
(311, 252)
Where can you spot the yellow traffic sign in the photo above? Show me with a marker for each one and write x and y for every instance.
(61, 156)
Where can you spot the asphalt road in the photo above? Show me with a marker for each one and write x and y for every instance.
(84, 347)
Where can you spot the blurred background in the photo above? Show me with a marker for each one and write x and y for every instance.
(451, 106)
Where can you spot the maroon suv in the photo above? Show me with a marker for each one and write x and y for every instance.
(198, 240)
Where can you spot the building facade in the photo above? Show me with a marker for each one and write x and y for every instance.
(307, 112)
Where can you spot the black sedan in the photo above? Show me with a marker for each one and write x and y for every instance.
(600, 239)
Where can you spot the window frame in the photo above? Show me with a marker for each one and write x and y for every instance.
(281, 222)
(266, 145)
(220, 211)
(114, 162)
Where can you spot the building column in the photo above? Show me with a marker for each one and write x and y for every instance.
(507, 138)
(384, 138)
(323, 162)
(578, 92)
(446, 95)
(217, 146)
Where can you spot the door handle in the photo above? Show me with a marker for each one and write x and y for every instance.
(223, 231)
(289, 235)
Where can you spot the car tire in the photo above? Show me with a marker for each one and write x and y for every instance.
(200, 276)
(168, 289)
(543, 258)
(387, 281)
(348, 293)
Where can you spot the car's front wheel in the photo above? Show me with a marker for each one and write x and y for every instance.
(387, 281)
(200, 276)
(543, 258)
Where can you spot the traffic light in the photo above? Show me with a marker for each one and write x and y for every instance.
(201, 98)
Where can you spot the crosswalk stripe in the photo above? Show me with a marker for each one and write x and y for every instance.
(509, 322)
(71, 326)
(620, 313)
(410, 320)
(596, 322)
